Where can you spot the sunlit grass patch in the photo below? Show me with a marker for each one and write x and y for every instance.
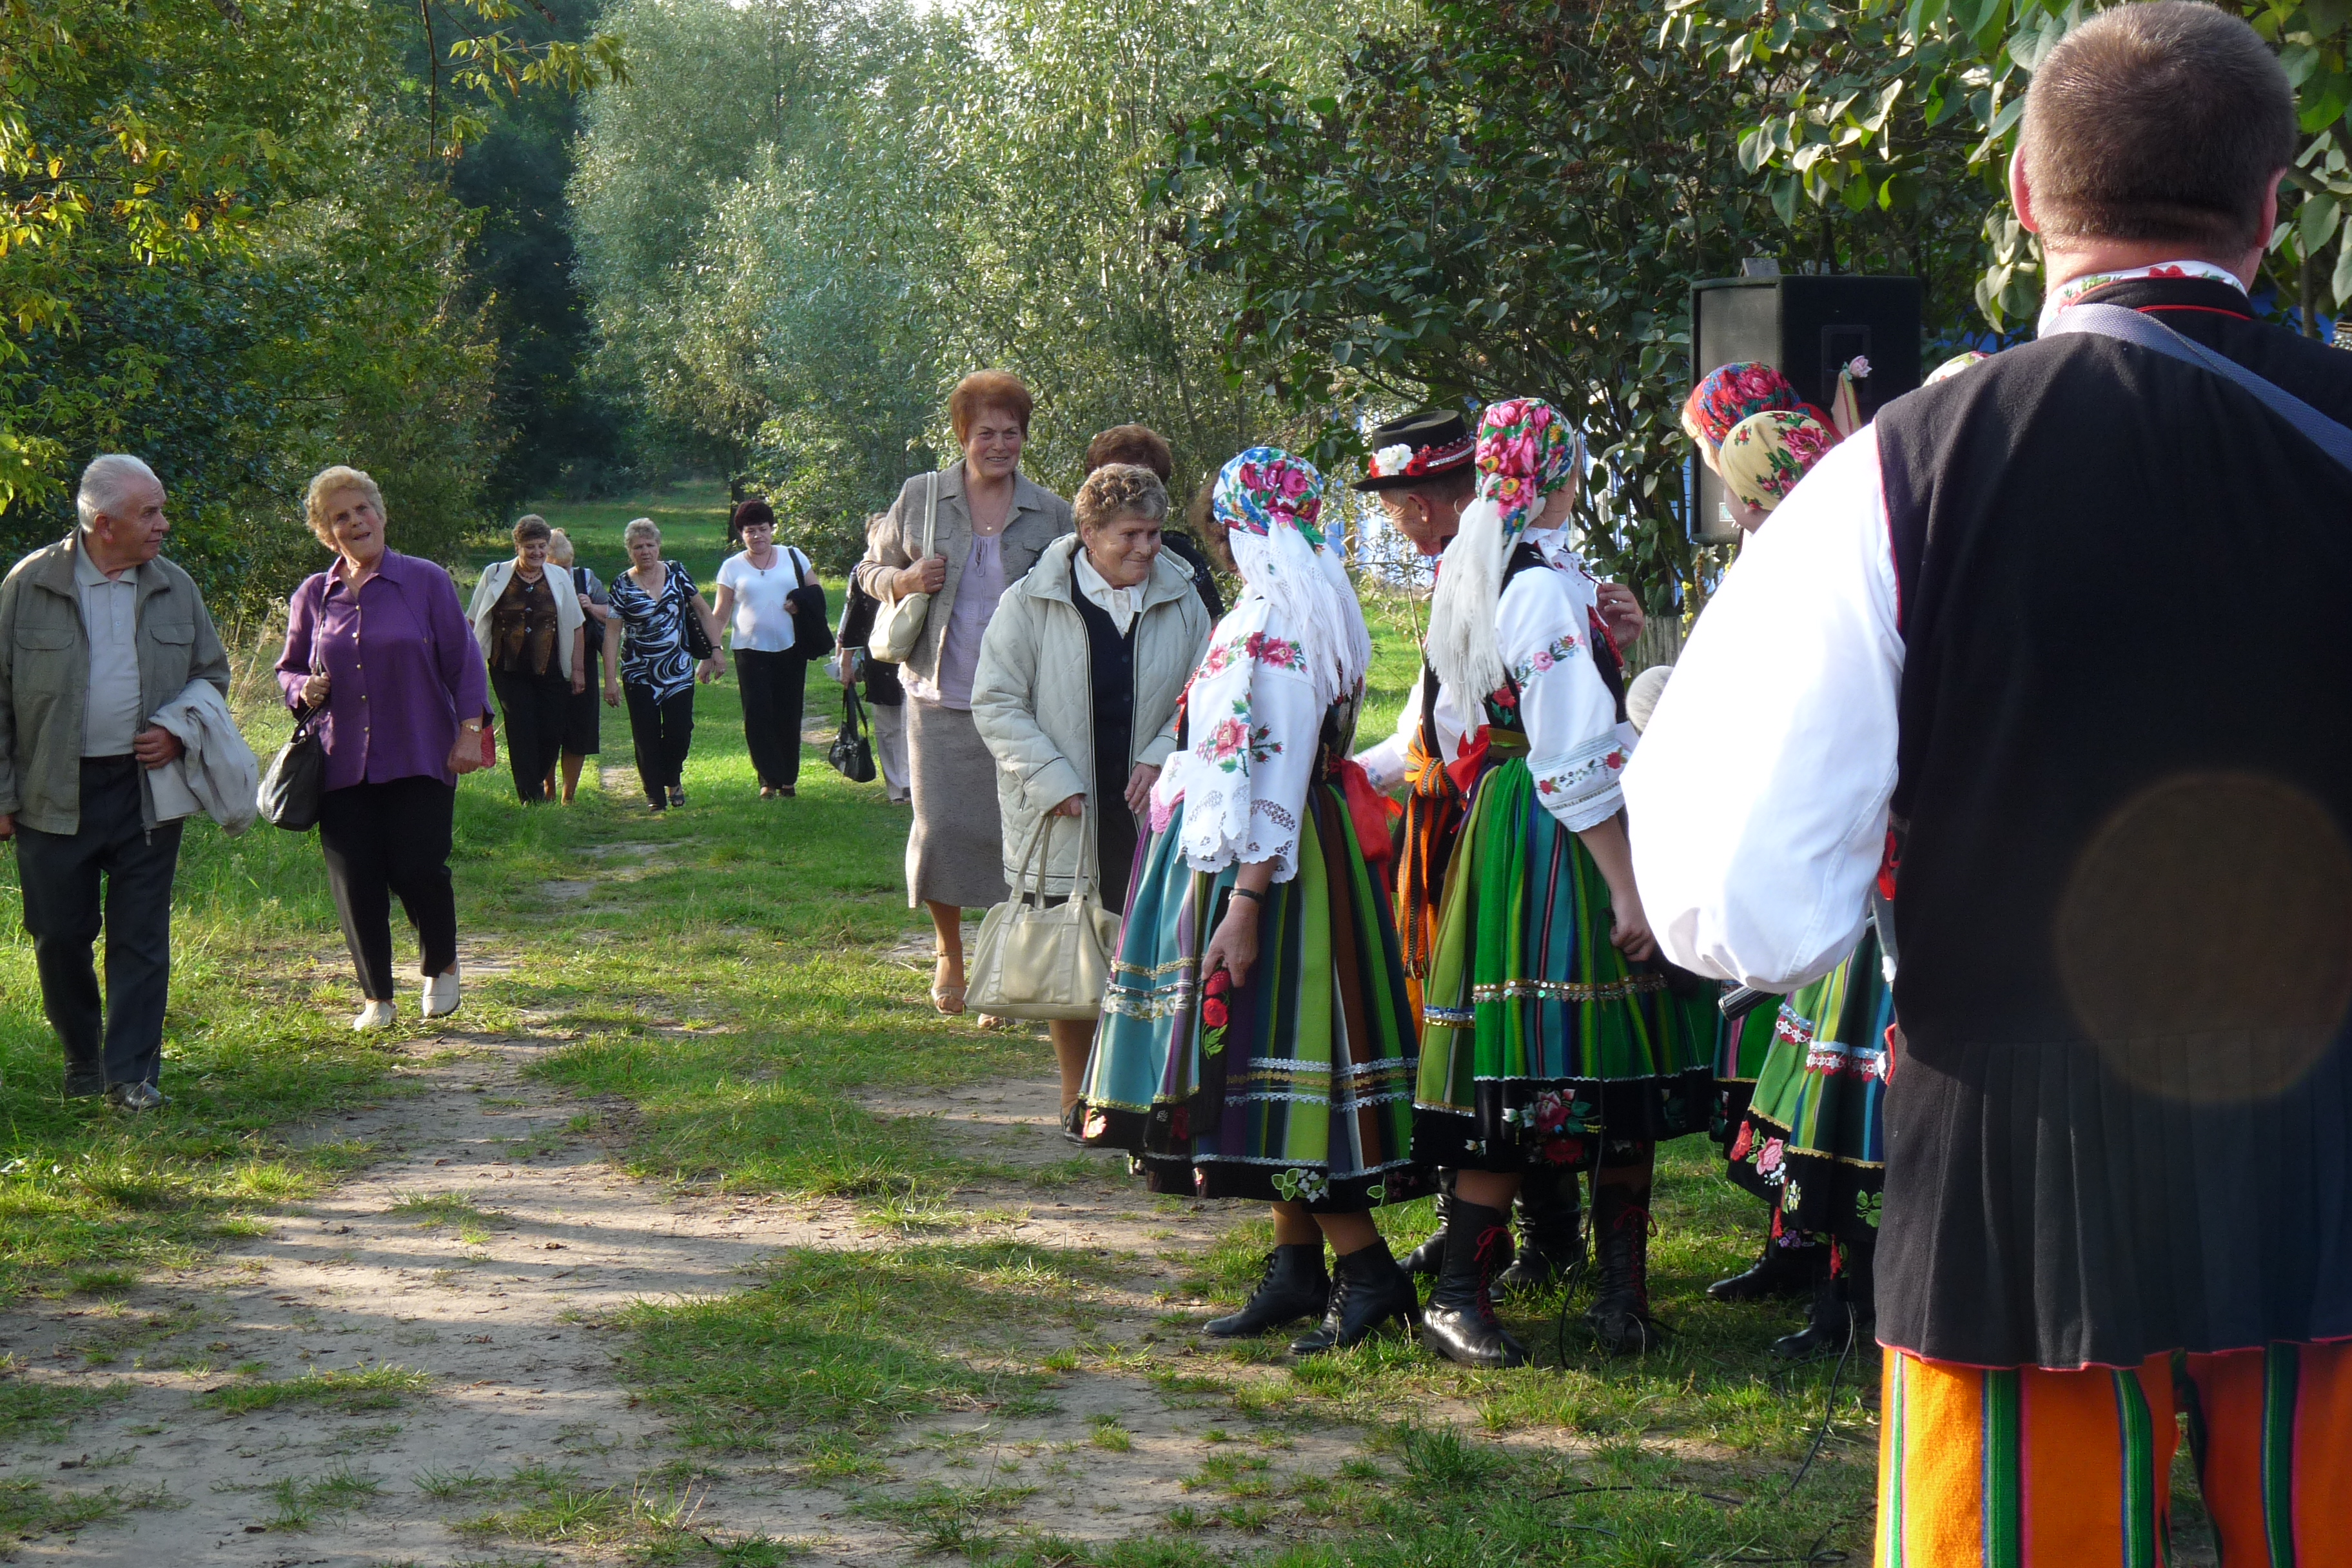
(368, 1388)
(29, 1510)
(430, 1211)
(852, 1341)
(41, 1412)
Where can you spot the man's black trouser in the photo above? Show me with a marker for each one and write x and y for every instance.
(65, 909)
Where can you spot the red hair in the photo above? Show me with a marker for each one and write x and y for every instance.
(988, 389)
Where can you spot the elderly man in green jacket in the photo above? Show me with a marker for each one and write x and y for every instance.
(97, 633)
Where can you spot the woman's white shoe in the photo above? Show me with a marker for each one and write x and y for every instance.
(441, 994)
(376, 1016)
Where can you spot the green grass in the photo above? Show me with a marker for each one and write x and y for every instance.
(41, 1412)
(371, 1388)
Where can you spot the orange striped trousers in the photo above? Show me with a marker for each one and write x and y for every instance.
(2027, 1469)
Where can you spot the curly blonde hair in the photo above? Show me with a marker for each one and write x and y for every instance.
(1117, 490)
(324, 486)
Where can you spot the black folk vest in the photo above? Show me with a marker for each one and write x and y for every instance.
(2122, 1120)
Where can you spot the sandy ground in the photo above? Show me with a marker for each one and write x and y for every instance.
(509, 1322)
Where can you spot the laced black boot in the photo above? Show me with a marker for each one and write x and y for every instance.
(1294, 1287)
(1550, 1213)
(1430, 1256)
(1789, 1266)
(1620, 1314)
(1459, 1323)
(1368, 1288)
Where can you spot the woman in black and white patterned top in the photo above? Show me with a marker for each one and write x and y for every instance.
(653, 599)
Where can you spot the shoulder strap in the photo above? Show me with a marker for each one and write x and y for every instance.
(2145, 331)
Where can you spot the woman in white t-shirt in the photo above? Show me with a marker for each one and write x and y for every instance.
(756, 610)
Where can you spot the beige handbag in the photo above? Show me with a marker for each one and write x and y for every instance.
(899, 624)
(1037, 963)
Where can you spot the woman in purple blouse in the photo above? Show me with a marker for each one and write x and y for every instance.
(380, 638)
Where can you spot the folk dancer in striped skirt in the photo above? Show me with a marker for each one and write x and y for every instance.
(1731, 397)
(1549, 1038)
(1422, 473)
(2119, 1119)
(1255, 1041)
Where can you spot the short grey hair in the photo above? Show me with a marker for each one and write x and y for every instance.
(640, 528)
(104, 482)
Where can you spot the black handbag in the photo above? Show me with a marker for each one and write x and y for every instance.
(297, 778)
(697, 636)
(853, 754)
(811, 632)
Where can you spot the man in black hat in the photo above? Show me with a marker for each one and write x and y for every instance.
(1423, 473)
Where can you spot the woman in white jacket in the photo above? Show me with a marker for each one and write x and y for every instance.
(528, 623)
(1076, 697)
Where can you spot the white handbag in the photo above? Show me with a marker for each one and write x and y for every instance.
(899, 624)
(1037, 963)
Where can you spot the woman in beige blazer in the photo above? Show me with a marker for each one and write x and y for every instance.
(989, 524)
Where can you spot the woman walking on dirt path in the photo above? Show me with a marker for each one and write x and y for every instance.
(583, 718)
(960, 536)
(528, 620)
(380, 640)
(763, 590)
(660, 610)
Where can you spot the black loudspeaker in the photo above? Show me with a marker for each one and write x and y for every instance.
(1806, 327)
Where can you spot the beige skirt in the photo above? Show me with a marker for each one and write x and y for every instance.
(955, 850)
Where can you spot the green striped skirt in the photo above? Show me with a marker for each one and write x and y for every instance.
(1813, 1143)
(1538, 1037)
(1296, 1086)
(1742, 1045)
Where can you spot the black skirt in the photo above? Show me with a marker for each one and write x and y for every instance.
(2042, 1210)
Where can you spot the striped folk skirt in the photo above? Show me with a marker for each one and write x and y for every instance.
(1539, 1036)
(1742, 1045)
(1813, 1143)
(2028, 1468)
(1294, 1087)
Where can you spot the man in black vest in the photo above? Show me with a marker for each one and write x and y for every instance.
(2120, 1123)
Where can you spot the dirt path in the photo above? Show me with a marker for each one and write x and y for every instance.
(481, 1261)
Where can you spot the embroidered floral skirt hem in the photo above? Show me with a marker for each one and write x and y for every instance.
(1296, 1086)
(1813, 1143)
(1537, 1035)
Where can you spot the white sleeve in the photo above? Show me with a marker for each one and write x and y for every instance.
(730, 574)
(1573, 747)
(1758, 800)
(1255, 727)
(1384, 763)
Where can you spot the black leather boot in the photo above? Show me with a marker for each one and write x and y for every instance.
(1620, 1314)
(1430, 1256)
(1368, 1288)
(1459, 1323)
(1294, 1286)
(1828, 1325)
(1789, 1266)
(1550, 1213)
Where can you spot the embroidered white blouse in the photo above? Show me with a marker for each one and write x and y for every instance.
(1255, 725)
(1758, 801)
(1576, 749)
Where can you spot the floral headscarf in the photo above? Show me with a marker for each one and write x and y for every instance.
(1766, 455)
(1271, 503)
(1525, 452)
(1730, 394)
(1266, 485)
